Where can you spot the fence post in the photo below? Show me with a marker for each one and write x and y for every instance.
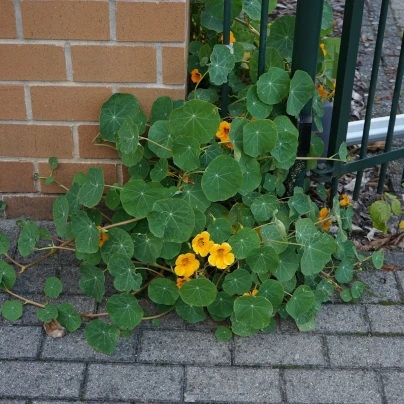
(305, 52)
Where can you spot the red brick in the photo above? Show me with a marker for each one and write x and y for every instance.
(87, 150)
(66, 171)
(73, 103)
(7, 20)
(37, 207)
(174, 65)
(36, 141)
(16, 176)
(12, 102)
(66, 19)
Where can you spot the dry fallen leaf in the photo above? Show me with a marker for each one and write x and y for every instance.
(54, 329)
(389, 267)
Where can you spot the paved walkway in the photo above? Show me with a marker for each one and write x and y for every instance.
(356, 354)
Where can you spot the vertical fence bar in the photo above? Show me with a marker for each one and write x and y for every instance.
(226, 41)
(305, 52)
(372, 92)
(263, 37)
(351, 31)
(393, 114)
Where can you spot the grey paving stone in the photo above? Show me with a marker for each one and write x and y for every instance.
(331, 387)
(73, 346)
(386, 319)
(276, 349)
(19, 342)
(197, 348)
(400, 277)
(342, 318)
(75, 402)
(70, 277)
(11, 230)
(207, 325)
(134, 382)
(33, 280)
(13, 402)
(232, 384)
(394, 258)
(380, 286)
(41, 379)
(393, 387)
(398, 11)
(372, 352)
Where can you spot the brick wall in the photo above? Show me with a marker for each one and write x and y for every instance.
(59, 61)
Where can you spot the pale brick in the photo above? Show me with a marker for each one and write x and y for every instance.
(174, 65)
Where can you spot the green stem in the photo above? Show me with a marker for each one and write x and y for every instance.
(281, 242)
(157, 144)
(252, 29)
(55, 247)
(110, 226)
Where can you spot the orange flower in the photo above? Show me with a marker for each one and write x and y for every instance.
(232, 38)
(223, 134)
(252, 293)
(323, 93)
(322, 46)
(345, 201)
(220, 255)
(186, 265)
(196, 76)
(201, 244)
(103, 236)
(326, 224)
(180, 281)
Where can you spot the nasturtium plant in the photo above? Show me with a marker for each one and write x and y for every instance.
(203, 225)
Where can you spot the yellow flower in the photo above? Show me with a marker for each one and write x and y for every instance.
(186, 265)
(223, 134)
(401, 225)
(252, 293)
(323, 93)
(201, 244)
(103, 236)
(322, 46)
(220, 256)
(180, 281)
(196, 76)
(327, 223)
(232, 38)
(345, 201)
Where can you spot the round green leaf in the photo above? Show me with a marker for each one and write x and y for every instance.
(172, 219)
(301, 90)
(209, 154)
(200, 222)
(273, 86)
(264, 207)
(161, 109)
(272, 59)
(259, 137)
(262, 260)
(273, 291)
(119, 242)
(252, 176)
(28, 238)
(53, 162)
(137, 172)
(223, 333)
(128, 136)
(222, 179)
(378, 259)
(7, 275)
(68, 317)
(222, 306)
(255, 106)
(186, 152)
(220, 230)
(124, 311)
(11, 310)
(48, 313)
(112, 199)
(243, 242)
(163, 291)
(285, 150)
(124, 272)
(191, 314)
(210, 22)
(60, 215)
(241, 329)
(241, 215)
(193, 194)
(284, 124)
(4, 244)
(120, 216)
(147, 247)
(273, 237)
(132, 158)
(101, 336)
(357, 289)
(198, 292)
(138, 197)
(159, 171)
(85, 232)
(302, 301)
(170, 250)
(92, 281)
(237, 282)
(72, 197)
(53, 287)
(380, 213)
(114, 112)
(91, 191)
(253, 311)
(221, 64)
(271, 327)
(197, 119)
(346, 295)
(287, 266)
(344, 272)
(281, 35)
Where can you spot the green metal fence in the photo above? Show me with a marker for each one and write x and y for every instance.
(305, 53)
